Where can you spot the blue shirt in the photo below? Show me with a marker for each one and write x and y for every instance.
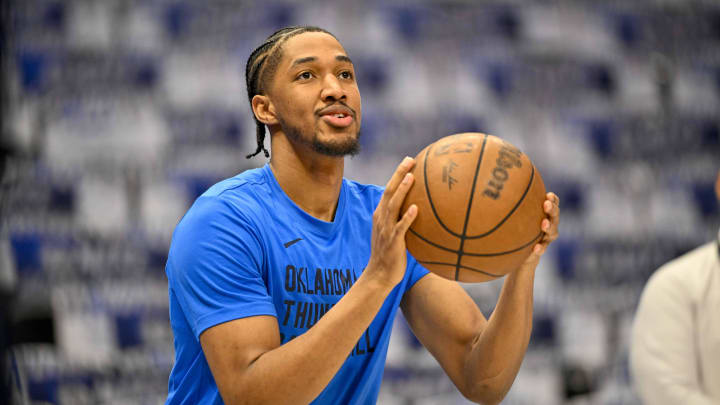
(245, 249)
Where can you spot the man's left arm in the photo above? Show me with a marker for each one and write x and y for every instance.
(481, 357)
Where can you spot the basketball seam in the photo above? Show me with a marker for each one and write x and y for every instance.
(476, 254)
(507, 251)
(525, 193)
(431, 242)
(469, 208)
(429, 196)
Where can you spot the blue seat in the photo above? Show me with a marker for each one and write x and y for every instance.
(145, 74)
(601, 77)
(177, 18)
(500, 79)
(33, 68)
(54, 16)
(372, 73)
(705, 198)
(566, 251)
(601, 135)
(508, 23)
(27, 248)
(710, 134)
(44, 389)
(62, 199)
(543, 331)
(198, 184)
(572, 196)
(407, 22)
(628, 29)
(128, 330)
(156, 258)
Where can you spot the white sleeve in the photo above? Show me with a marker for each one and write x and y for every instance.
(663, 352)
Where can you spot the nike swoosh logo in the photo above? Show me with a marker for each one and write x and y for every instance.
(292, 242)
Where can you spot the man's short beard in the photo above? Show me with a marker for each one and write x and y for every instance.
(348, 147)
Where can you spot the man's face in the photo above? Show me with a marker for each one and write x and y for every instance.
(315, 95)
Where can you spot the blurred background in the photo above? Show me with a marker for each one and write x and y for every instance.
(117, 114)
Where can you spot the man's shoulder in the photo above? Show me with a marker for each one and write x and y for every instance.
(238, 197)
(688, 270)
(239, 184)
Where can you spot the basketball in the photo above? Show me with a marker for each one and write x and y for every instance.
(479, 202)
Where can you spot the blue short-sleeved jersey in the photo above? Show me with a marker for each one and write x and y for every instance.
(245, 249)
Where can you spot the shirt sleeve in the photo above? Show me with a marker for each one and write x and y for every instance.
(663, 352)
(215, 266)
(415, 270)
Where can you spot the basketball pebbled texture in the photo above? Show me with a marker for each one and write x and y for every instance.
(479, 204)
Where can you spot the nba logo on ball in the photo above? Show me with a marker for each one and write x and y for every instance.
(479, 204)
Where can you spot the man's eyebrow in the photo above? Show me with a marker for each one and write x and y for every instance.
(303, 60)
(344, 58)
(308, 59)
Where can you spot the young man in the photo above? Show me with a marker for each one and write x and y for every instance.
(285, 280)
(675, 349)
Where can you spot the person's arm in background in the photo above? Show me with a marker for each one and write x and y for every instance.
(482, 357)
(663, 353)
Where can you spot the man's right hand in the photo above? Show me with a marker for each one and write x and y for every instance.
(388, 256)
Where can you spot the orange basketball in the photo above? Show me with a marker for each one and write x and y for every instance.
(479, 204)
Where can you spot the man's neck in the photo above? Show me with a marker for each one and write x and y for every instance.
(313, 181)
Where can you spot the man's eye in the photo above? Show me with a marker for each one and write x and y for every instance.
(346, 75)
(305, 75)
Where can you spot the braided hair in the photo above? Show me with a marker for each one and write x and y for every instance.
(260, 68)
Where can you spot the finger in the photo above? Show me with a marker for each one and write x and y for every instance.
(399, 197)
(547, 239)
(550, 227)
(545, 225)
(553, 198)
(550, 232)
(551, 208)
(405, 166)
(407, 219)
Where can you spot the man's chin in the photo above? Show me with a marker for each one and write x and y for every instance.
(328, 144)
(337, 145)
(337, 149)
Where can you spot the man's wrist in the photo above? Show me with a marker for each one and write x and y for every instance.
(377, 279)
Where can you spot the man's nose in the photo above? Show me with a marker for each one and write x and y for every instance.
(332, 89)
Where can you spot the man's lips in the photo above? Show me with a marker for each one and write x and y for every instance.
(337, 115)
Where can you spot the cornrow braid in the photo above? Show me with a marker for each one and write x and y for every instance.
(260, 68)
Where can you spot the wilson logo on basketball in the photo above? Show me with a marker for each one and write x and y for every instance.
(508, 158)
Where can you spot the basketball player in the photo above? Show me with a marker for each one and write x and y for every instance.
(285, 280)
(675, 350)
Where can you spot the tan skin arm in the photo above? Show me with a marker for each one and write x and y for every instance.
(245, 356)
(481, 357)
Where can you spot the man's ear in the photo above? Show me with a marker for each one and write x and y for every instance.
(264, 110)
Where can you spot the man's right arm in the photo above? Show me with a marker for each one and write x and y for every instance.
(245, 355)
(250, 366)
